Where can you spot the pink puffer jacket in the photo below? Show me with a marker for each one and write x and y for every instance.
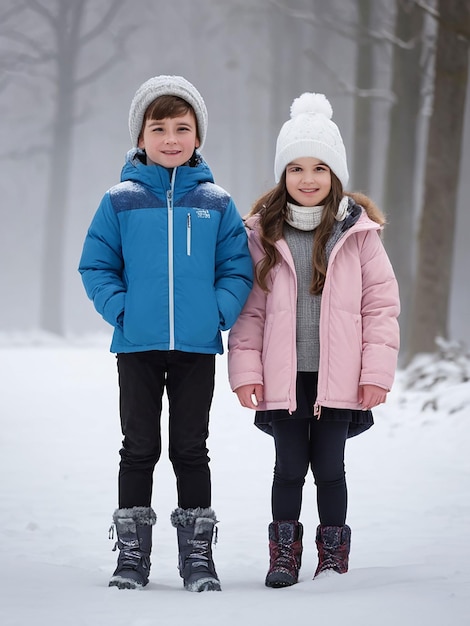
(359, 335)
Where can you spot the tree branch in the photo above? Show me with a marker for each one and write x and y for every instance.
(36, 6)
(29, 42)
(114, 7)
(119, 44)
(430, 10)
(15, 10)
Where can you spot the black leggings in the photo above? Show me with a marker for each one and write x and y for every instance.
(301, 443)
(189, 382)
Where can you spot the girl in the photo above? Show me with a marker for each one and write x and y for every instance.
(315, 347)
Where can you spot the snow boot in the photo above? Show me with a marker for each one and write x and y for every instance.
(333, 544)
(285, 553)
(134, 541)
(195, 529)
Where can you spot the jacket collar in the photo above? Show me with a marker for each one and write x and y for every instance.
(158, 178)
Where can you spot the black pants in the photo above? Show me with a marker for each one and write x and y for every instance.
(301, 443)
(189, 382)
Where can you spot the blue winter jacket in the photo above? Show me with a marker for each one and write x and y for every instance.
(166, 260)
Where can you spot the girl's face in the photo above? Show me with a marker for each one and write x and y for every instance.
(308, 181)
(170, 142)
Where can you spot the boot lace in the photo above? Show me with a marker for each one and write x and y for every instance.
(285, 559)
(129, 551)
(332, 558)
(201, 547)
(199, 552)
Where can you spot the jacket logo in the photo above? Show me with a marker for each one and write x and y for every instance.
(203, 213)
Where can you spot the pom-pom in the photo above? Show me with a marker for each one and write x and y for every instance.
(312, 103)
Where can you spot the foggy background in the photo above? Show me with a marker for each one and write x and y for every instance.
(70, 68)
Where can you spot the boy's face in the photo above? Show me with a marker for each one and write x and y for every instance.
(170, 142)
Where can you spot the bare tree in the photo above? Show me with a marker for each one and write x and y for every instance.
(71, 26)
(401, 159)
(361, 157)
(436, 236)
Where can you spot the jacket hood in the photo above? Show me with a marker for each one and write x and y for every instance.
(158, 178)
(369, 206)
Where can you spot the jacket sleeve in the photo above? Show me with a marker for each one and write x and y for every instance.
(234, 270)
(245, 341)
(380, 311)
(101, 264)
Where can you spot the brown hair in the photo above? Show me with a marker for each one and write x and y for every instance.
(272, 207)
(168, 106)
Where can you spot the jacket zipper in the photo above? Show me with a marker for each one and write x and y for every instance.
(317, 408)
(188, 234)
(171, 290)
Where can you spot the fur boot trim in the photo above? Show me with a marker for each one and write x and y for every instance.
(205, 518)
(140, 515)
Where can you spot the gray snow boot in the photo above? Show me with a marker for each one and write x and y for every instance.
(195, 529)
(134, 541)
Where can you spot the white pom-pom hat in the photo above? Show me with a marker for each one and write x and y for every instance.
(166, 86)
(311, 133)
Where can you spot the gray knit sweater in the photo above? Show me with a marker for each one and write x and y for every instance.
(300, 243)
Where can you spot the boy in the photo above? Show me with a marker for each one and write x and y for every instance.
(166, 263)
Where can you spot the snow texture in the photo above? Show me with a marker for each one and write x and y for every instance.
(409, 505)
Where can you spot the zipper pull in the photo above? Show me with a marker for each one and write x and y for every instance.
(188, 234)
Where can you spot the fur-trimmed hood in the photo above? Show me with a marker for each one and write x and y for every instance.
(369, 206)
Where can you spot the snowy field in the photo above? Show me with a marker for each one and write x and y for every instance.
(409, 506)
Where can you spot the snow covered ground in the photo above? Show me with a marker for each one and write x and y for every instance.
(408, 479)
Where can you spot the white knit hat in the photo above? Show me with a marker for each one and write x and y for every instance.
(311, 133)
(166, 86)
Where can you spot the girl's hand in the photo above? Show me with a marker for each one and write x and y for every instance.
(250, 395)
(371, 395)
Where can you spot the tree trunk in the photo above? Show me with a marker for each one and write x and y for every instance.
(67, 33)
(361, 157)
(52, 275)
(436, 237)
(400, 169)
(68, 28)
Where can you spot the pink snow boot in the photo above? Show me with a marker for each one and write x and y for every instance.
(333, 543)
(285, 553)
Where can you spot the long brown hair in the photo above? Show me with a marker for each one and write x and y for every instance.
(272, 207)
